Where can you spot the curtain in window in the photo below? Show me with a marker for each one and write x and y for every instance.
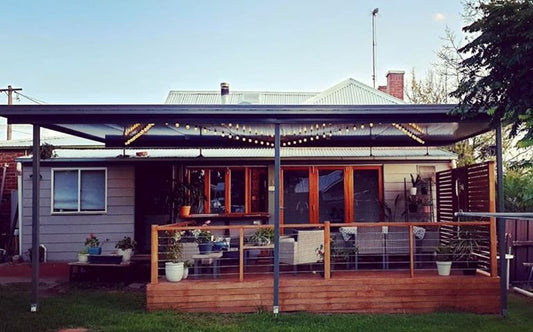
(66, 191)
(92, 190)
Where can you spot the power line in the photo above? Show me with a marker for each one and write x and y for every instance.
(35, 100)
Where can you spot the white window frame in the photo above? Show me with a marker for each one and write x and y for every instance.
(79, 170)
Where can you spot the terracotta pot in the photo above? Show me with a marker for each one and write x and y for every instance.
(185, 211)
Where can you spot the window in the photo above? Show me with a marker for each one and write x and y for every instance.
(234, 189)
(79, 190)
(331, 193)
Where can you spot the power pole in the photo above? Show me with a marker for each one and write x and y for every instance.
(9, 91)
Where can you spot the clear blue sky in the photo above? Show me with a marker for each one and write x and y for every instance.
(127, 51)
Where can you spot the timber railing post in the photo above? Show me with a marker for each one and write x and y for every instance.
(241, 254)
(411, 251)
(494, 249)
(327, 261)
(155, 254)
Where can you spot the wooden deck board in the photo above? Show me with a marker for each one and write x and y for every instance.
(364, 292)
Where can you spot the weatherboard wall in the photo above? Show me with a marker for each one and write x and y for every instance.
(64, 235)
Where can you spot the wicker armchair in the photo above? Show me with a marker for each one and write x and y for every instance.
(302, 250)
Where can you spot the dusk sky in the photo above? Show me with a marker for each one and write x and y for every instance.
(103, 51)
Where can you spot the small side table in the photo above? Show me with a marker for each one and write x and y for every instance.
(207, 259)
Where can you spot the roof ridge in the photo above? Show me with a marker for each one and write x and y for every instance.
(345, 83)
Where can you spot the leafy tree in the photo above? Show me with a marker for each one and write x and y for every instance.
(518, 190)
(498, 65)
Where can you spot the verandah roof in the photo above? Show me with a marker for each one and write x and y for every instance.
(235, 126)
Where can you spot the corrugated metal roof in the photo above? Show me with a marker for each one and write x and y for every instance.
(57, 141)
(347, 92)
(353, 92)
(238, 97)
(288, 153)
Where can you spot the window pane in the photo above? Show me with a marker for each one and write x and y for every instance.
(295, 197)
(197, 181)
(65, 191)
(331, 195)
(259, 190)
(218, 189)
(93, 190)
(366, 195)
(238, 193)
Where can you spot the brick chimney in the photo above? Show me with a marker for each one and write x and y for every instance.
(394, 83)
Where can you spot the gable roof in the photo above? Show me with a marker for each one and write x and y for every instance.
(352, 92)
(347, 92)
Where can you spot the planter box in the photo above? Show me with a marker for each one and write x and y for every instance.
(105, 259)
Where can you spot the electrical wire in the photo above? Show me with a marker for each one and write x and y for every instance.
(35, 100)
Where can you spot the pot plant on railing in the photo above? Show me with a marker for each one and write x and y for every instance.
(93, 245)
(125, 248)
(443, 259)
(174, 266)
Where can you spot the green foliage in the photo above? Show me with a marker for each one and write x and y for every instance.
(174, 246)
(185, 193)
(263, 235)
(444, 253)
(467, 243)
(92, 241)
(518, 190)
(496, 74)
(126, 243)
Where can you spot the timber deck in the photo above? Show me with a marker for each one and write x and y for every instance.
(348, 292)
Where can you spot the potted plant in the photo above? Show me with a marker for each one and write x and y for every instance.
(204, 238)
(464, 248)
(415, 181)
(93, 245)
(444, 256)
(125, 248)
(173, 267)
(83, 255)
(185, 197)
(262, 236)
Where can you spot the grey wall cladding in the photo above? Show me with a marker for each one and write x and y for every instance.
(64, 235)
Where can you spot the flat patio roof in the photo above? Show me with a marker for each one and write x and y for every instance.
(235, 126)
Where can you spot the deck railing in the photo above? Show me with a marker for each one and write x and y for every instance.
(406, 246)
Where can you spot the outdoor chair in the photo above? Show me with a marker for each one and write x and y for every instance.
(303, 250)
(370, 241)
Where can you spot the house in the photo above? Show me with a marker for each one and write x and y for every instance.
(9, 152)
(313, 160)
(132, 189)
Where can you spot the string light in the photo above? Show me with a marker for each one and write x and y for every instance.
(408, 133)
(140, 133)
(177, 125)
(417, 127)
(131, 129)
(187, 126)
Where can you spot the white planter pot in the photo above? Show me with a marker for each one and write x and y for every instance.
(83, 258)
(126, 254)
(185, 272)
(174, 271)
(444, 268)
(413, 191)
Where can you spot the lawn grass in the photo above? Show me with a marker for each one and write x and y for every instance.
(118, 310)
